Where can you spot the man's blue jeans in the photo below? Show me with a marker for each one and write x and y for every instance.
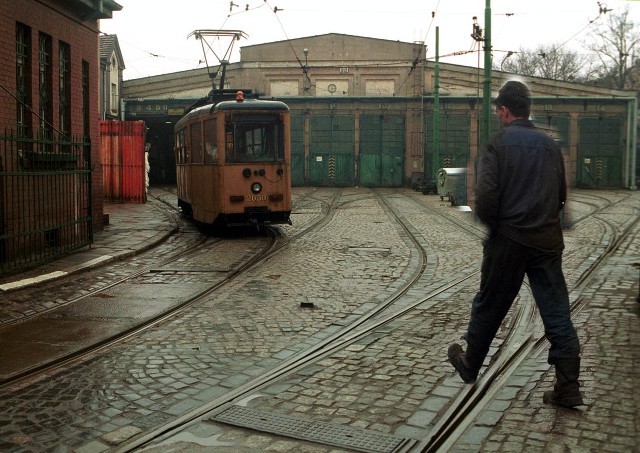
(504, 265)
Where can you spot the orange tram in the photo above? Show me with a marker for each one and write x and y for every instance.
(233, 161)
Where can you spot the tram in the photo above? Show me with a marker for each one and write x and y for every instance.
(233, 162)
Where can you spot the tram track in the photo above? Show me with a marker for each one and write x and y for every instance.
(469, 403)
(515, 347)
(518, 344)
(522, 341)
(374, 319)
(203, 245)
(94, 279)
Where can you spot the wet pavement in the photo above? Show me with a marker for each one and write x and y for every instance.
(394, 384)
(131, 229)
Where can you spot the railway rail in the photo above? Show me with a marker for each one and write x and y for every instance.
(370, 322)
(189, 249)
(384, 328)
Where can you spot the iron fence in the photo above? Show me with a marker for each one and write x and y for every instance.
(45, 198)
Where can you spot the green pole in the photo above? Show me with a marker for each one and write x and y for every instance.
(436, 108)
(486, 92)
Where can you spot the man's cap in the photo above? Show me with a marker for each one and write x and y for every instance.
(513, 94)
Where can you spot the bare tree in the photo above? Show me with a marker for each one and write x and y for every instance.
(616, 44)
(550, 62)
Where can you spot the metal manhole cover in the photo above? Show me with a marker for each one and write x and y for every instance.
(312, 430)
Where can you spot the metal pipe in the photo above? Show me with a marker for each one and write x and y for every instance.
(436, 107)
(632, 142)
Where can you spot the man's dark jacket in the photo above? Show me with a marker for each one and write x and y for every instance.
(521, 186)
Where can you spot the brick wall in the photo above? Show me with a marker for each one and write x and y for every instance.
(62, 23)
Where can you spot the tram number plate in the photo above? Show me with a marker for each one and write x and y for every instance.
(257, 198)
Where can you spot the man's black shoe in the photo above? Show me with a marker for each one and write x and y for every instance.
(456, 357)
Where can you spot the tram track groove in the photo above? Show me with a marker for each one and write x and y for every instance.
(461, 413)
(275, 244)
(468, 402)
(512, 351)
(367, 323)
(467, 406)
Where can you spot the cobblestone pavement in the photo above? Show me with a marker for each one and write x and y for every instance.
(394, 382)
(609, 330)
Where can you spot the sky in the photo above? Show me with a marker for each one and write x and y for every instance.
(154, 34)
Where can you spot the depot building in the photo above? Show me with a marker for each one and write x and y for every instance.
(363, 113)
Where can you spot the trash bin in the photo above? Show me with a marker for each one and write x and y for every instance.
(452, 183)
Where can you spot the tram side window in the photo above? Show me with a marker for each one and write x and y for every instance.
(210, 144)
(180, 148)
(254, 142)
(196, 143)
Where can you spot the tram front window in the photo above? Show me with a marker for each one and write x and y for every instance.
(254, 142)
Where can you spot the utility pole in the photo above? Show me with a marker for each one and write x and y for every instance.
(486, 92)
(436, 109)
(477, 35)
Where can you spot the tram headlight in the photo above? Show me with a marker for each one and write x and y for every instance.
(246, 172)
(256, 187)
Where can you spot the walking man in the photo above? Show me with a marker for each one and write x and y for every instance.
(520, 192)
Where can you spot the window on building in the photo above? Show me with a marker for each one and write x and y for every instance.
(86, 124)
(64, 111)
(23, 80)
(114, 77)
(114, 98)
(45, 90)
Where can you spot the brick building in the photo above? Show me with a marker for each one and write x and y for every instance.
(50, 185)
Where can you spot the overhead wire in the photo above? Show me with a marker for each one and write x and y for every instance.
(416, 60)
(148, 52)
(602, 9)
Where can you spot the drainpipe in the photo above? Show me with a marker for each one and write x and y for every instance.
(632, 143)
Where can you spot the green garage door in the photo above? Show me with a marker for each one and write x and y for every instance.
(381, 150)
(454, 141)
(556, 126)
(331, 154)
(599, 163)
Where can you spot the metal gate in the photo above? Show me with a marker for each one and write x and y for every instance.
(331, 157)
(382, 141)
(123, 160)
(599, 163)
(45, 199)
(454, 133)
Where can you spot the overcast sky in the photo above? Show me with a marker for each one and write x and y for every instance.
(153, 33)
